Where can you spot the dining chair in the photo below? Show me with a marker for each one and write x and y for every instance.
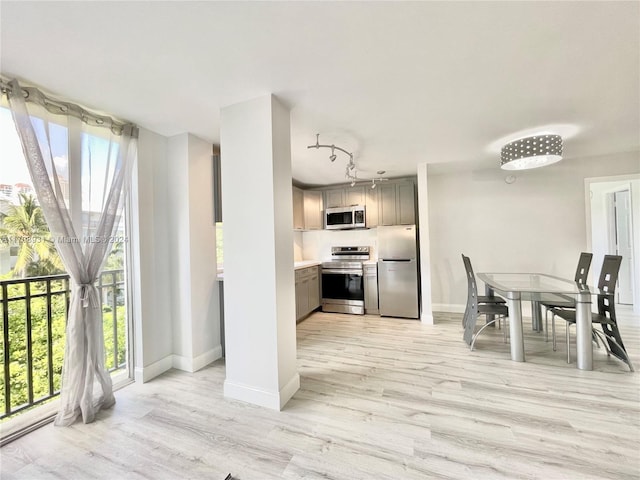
(550, 300)
(480, 299)
(606, 315)
(474, 309)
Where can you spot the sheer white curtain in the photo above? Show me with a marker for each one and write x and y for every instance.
(80, 165)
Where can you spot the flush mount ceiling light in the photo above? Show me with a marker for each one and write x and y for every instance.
(531, 152)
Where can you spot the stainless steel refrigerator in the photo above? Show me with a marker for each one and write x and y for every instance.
(398, 271)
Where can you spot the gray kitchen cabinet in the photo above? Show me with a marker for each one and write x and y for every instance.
(371, 289)
(298, 209)
(302, 297)
(392, 202)
(307, 288)
(387, 204)
(354, 195)
(334, 197)
(314, 288)
(344, 196)
(396, 204)
(307, 209)
(312, 200)
(371, 207)
(406, 205)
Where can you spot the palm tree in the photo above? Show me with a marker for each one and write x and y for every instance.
(25, 225)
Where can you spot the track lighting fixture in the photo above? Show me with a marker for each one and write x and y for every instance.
(333, 148)
(351, 172)
(380, 179)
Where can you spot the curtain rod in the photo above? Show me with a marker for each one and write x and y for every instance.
(60, 107)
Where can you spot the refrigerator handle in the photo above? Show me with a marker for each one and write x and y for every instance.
(396, 259)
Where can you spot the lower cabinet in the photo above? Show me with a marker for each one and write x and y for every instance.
(371, 289)
(307, 291)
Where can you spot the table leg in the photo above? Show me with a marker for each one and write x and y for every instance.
(488, 291)
(584, 346)
(536, 315)
(515, 326)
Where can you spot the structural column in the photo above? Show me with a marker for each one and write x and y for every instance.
(426, 313)
(259, 286)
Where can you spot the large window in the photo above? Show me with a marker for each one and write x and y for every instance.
(34, 287)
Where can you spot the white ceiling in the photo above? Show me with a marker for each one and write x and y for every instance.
(397, 83)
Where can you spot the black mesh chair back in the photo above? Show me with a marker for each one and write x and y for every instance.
(472, 290)
(479, 299)
(584, 262)
(471, 315)
(475, 308)
(609, 273)
(607, 305)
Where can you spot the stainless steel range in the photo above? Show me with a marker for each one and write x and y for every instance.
(343, 280)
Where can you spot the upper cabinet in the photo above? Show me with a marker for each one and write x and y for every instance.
(391, 203)
(371, 207)
(298, 209)
(313, 219)
(307, 209)
(344, 196)
(354, 195)
(334, 197)
(396, 204)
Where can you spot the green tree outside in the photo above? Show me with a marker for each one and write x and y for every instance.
(25, 226)
(37, 256)
(40, 340)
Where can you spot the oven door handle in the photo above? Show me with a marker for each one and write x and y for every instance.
(343, 272)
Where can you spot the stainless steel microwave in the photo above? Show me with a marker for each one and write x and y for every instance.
(342, 218)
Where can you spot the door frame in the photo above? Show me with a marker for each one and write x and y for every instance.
(614, 183)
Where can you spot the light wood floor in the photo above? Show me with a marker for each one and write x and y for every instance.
(379, 399)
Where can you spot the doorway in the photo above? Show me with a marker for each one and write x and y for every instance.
(613, 223)
(621, 242)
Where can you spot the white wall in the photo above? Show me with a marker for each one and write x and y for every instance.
(175, 301)
(424, 239)
(150, 282)
(298, 252)
(536, 224)
(316, 244)
(179, 241)
(195, 312)
(205, 311)
(259, 287)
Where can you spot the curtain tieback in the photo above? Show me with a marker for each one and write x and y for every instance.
(89, 295)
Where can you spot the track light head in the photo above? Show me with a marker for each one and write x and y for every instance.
(332, 157)
(373, 183)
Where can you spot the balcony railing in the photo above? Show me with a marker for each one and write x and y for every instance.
(34, 316)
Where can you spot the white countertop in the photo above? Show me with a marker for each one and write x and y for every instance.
(305, 264)
(296, 266)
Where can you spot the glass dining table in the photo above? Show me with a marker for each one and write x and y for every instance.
(516, 287)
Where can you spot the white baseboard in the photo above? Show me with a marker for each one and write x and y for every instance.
(448, 307)
(186, 364)
(426, 319)
(289, 389)
(191, 365)
(144, 374)
(274, 400)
